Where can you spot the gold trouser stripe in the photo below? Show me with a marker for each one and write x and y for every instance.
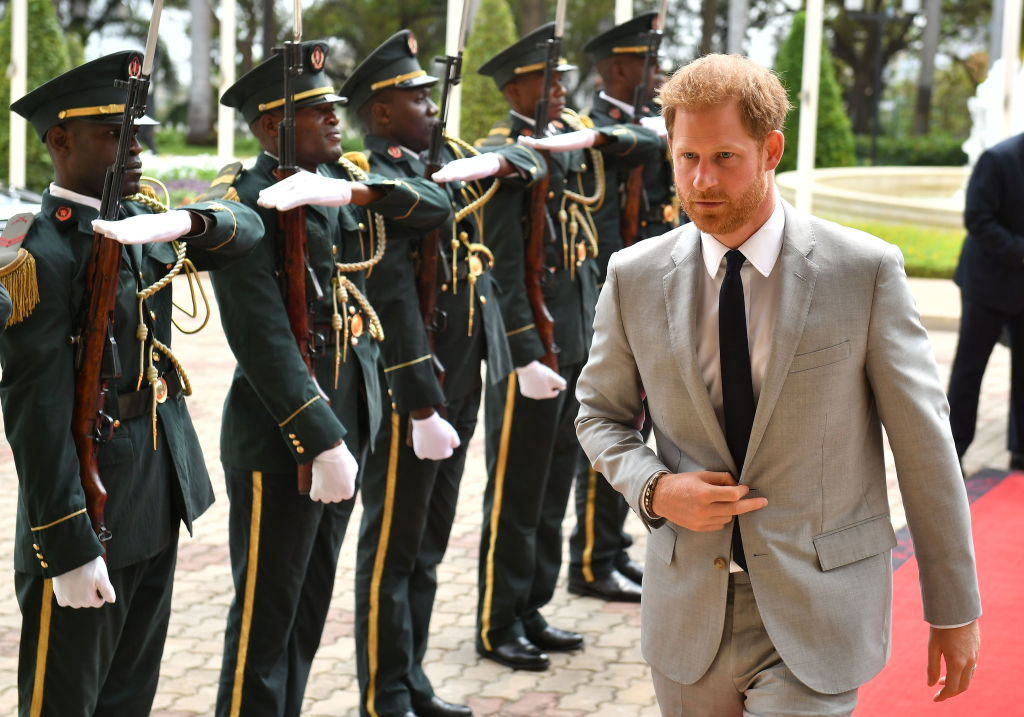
(373, 639)
(42, 648)
(588, 547)
(250, 591)
(499, 486)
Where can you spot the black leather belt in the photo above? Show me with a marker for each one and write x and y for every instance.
(137, 403)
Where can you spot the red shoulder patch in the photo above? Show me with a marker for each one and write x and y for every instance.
(395, 151)
(63, 214)
(615, 113)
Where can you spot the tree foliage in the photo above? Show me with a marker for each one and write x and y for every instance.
(482, 103)
(48, 57)
(834, 145)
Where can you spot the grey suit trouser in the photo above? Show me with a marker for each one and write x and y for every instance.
(747, 676)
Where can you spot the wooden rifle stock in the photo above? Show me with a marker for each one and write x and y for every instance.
(535, 268)
(629, 224)
(90, 423)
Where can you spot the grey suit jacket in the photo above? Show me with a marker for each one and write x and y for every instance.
(849, 355)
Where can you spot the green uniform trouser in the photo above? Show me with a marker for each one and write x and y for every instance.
(598, 542)
(284, 555)
(532, 457)
(95, 661)
(408, 511)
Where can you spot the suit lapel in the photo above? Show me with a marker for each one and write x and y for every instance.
(680, 289)
(797, 276)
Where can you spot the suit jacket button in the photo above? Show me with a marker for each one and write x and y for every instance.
(721, 563)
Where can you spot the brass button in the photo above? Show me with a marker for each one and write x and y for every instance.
(296, 442)
(361, 226)
(551, 195)
(583, 167)
(35, 547)
(45, 564)
(721, 564)
(291, 435)
(300, 449)
(390, 392)
(483, 299)
(39, 555)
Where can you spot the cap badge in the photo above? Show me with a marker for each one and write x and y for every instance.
(557, 124)
(134, 66)
(614, 113)
(317, 57)
(395, 151)
(62, 214)
(413, 47)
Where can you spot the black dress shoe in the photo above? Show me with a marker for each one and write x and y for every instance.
(437, 707)
(1017, 461)
(614, 587)
(631, 570)
(554, 640)
(519, 654)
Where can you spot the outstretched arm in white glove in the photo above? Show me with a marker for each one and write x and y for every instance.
(147, 228)
(656, 124)
(334, 475)
(304, 188)
(580, 139)
(538, 382)
(466, 169)
(86, 586)
(433, 438)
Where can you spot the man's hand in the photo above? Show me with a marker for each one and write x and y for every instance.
(334, 475)
(433, 438)
(466, 169)
(580, 139)
(86, 586)
(304, 188)
(958, 647)
(146, 228)
(539, 382)
(702, 501)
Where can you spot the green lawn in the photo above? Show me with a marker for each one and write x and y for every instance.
(927, 251)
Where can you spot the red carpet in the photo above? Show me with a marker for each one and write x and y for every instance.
(901, 690)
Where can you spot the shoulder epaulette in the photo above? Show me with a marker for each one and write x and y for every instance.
(18, 274)
(223, 185)
(360, 159)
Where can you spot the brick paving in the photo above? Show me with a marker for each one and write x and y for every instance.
(608, 678)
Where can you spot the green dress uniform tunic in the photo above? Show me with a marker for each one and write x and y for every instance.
(284, 546)
(532, 451)
(5, 306)
(409, 503)
(104, 660)
(598, 543)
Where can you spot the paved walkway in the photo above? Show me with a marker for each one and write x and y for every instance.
(607, 678)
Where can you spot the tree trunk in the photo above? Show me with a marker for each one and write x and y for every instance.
(708, 13)
(738, 13)
(200, 93)
(926, 81)
(533, 13)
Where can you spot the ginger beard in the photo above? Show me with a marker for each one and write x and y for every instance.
(733, 213)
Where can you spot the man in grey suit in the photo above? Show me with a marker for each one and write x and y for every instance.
(768, 580)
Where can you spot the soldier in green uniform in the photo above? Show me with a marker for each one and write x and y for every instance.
(532, 452)
(412, 479)
(285, 545)
(103, 660)
(599, 565)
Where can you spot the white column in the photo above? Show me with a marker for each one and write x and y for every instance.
(18, 72)
(623, 11)
(226, 115)
(1011, 59)
(809, 105)
(451, 47)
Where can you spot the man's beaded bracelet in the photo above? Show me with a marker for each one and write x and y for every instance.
(649, 495)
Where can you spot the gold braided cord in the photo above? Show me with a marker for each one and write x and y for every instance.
(460, 144)
(192, 274)
(353, 169)
(147, 194)
(378, 222)
(376, 329)
(597, 159)
(477, 203)
(186, 385)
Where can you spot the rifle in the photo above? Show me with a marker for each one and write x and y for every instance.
(629, 224)
(535, 260)
(430, 247)
(96, 360)
(298, 274)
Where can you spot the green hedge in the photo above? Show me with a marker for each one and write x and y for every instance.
(932, 150)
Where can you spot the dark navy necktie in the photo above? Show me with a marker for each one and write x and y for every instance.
(737, 385)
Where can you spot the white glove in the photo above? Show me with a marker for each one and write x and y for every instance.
(306, 188)
(655, 124)
(538, 382)
(86, 586)
(468, 168)
(580, 139)
(146, 228)
(433, 438)
(334, 475)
